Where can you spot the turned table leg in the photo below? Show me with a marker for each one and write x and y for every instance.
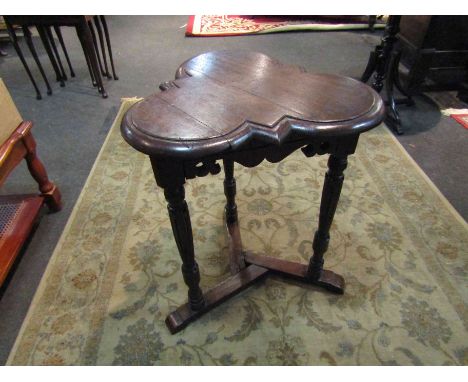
(330, 196)
(182, 229)
(230, 191)
(236, 257)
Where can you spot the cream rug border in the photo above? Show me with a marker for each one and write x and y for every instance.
(429, 182)
(126, 103)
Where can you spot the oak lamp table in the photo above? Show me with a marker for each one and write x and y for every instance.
(244, 107)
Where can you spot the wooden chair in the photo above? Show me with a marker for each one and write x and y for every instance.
(19, 213)
(86, 35)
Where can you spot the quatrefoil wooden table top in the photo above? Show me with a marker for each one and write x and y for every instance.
(244, 107)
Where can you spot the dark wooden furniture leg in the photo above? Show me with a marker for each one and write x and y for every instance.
(14, 41)
(49, 190)
(27, 36)
(182, 229)
(58, 32)
(384, 52)
(106, 33)
(330, 196)
(246, 267)
(392, 118)
(48, 31)
(45, 40)
(236, 260)
(83, 31)
(382, 61)
(90, 69)
(103, 49)
(96, 48)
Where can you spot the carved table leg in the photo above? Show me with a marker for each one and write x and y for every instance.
(246, 267)
(236, 258)
(182, 229)
(385, 51)
(392, 117)
(49, 190)
(330, 195)
(230, 191)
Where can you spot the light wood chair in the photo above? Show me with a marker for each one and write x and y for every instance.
(19, 213)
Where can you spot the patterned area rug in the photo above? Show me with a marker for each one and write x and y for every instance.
(114, 275)
(230, 25)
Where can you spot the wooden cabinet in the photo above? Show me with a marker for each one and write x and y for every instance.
(434, 50)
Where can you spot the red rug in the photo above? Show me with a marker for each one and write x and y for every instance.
(228, 25)
(462, 119)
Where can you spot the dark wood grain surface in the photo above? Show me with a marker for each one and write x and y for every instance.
(224, 98)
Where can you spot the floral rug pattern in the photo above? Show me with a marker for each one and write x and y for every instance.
(115, 273)
(233, 25)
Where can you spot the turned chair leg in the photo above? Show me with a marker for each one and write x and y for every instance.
(330, 196)
(49, 190)
(182, 229)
